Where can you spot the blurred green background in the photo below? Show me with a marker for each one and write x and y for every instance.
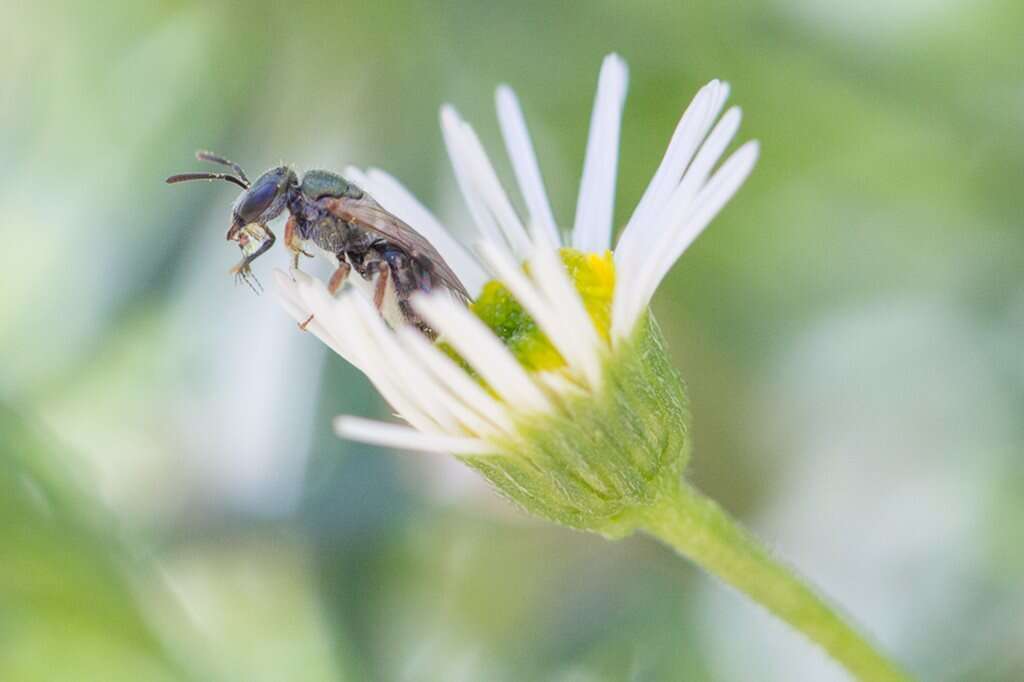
(173, 504)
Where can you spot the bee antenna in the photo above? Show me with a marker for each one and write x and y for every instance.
(185, 177)
(204, 155)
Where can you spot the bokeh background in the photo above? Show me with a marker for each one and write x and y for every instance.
(173, 504)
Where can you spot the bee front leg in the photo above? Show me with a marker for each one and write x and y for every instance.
(242, 271)
(333, 286)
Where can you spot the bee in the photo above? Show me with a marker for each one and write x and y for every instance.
(345, 224)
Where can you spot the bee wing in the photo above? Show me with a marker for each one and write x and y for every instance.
(369, 215)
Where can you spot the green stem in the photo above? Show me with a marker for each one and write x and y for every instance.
(699, 529)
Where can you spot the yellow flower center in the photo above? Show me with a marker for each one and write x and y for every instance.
(592, 274)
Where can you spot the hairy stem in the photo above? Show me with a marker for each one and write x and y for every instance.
(696, 527)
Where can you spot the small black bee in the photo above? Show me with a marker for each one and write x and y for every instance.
(345, 223)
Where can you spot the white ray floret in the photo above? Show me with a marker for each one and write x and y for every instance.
(287, 290)
(563, 330)
(447, 409)
(482, 349)
(339, 315)
(524, 163)
(480, 186)
(691, 130)
(592, 230)
(487, 414)
(429, 396)
(405, 438)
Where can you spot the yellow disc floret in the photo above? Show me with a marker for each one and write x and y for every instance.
(592, 274)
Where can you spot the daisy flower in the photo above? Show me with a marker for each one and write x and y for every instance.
(554, 383)
(556, 315)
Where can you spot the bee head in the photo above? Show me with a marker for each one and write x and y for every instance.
(264, 200)
(260, 201)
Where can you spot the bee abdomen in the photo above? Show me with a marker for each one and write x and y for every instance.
(409, 273)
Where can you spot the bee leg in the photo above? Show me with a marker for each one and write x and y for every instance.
(333, 286)
(294, 242)
(413, 318)
(338, 278)
(381, 285)
(242, 270)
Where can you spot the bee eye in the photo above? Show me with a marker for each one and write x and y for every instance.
(257, 200)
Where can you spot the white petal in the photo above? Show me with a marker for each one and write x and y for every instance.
(479, 183)
(524, 162)
(691, 130)
(573, 343)
(313, 297)
(336, 314)
(710, 153)
(404, 438)
(419, 386)
(481, 349)
(432, 393)
(649, 238)
(293, 304)
(469, 392)
(592, 229)
(658, 256)
(552, 279)
(493, 193)
(393, 196)
(688, 218)
(719, 190)
(289, 297)
(451, 130)
(558, 384)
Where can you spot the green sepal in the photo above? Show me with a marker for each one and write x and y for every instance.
(602, 457)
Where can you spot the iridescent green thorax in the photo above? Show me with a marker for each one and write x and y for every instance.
(594, 278)
(321, 183)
